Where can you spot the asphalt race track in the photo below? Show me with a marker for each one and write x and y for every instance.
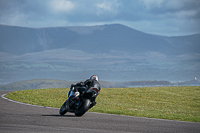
(15, 118)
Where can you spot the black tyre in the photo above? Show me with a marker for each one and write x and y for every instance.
(63, 109)
(83, 109)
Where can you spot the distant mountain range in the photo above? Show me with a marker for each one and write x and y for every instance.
(93, 39)
(114, 52)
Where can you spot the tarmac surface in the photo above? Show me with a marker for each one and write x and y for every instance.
(21, 118)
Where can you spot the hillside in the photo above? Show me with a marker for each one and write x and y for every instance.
(93, 39)
(114, 52)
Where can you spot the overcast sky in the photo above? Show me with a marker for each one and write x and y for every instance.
(162, 17)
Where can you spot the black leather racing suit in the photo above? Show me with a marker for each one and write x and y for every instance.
(88, 83)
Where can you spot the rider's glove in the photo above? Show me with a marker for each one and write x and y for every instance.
(82, 84)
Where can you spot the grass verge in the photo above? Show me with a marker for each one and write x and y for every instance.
(174, 103)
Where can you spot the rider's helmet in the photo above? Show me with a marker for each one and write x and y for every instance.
(94, 77)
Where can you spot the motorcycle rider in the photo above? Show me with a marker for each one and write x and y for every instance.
(92, 82)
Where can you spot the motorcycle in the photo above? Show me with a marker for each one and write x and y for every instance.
(79, 105)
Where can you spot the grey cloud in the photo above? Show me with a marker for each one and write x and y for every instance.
(177, 16)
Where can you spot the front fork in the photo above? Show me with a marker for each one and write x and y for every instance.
(70, 93)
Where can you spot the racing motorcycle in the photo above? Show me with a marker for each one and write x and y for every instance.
(79, 105)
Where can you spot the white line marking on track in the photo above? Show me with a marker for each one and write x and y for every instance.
(3, 96)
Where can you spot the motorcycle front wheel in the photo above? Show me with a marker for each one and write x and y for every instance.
(83, 109)
(63, 109)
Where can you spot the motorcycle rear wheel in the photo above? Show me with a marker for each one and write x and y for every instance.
(84, 108)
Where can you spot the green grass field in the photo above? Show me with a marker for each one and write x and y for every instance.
(174, 103)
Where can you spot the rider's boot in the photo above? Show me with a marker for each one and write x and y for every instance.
(94, 103)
